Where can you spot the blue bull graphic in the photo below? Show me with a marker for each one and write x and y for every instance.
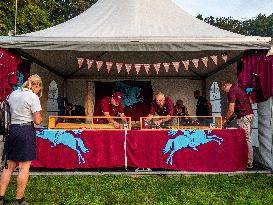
(65, 138)
(130, 94)
(189, 139)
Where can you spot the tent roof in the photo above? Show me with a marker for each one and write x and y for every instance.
(132, 31)
(134, 25)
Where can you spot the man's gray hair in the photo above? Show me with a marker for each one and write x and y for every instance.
(159, 93)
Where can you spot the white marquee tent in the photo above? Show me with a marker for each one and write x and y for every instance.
(148, 31)
(132, 31)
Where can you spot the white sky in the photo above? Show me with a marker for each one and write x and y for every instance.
(238, 9)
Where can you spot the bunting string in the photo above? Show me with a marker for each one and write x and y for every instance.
(166, 65)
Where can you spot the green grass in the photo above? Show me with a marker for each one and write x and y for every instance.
(162, 190)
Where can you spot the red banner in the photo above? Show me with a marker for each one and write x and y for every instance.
(87, 149)
(222, 151)
(186, 150)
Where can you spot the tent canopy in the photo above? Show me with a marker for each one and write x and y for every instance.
(134, 31)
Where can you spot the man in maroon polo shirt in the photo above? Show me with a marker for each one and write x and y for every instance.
(162, 106)
(239, 103)
(110, 106)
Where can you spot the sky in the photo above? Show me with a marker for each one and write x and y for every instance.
(238, 9)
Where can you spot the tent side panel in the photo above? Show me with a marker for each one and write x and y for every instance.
(47, 78)
(265, 113)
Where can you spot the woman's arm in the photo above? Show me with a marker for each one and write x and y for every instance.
(37, 118)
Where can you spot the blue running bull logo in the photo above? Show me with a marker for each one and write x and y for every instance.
(189, 139)
(65, 138)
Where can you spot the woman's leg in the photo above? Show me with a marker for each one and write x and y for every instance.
(22, 178)
(5, 177)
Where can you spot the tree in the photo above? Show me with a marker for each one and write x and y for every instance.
(261, 25)
(227, 23)
(34, 15)
(7, 9)
(63, 10)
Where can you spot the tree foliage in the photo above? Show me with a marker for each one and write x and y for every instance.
(34, 15)
(6, 16)
(262, 25)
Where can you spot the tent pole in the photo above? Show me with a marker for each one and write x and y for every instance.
(15, 20)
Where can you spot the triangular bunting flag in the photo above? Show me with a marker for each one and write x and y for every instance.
(166, 66)
(186, 64)
(214, 58)
(224, 57)
(108, 66)
(176, 66)
(147, 68)
(119, 66)
(157, 66)
(205, 61)
(89, 63)
(80, 62)
(195, 62)
(99, 64)
(137, 66)
(128, 68)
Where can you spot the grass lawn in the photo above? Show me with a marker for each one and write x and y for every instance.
(219, 189)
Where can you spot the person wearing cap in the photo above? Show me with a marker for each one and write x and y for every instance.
(110, 106)
(161, 106)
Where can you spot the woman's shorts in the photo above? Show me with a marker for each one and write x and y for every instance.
(21, 143)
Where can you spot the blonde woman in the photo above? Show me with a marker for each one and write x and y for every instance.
(25, 110)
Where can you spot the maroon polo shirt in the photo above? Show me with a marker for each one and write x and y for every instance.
(242, 103)
(105, 105)
(167, 109)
